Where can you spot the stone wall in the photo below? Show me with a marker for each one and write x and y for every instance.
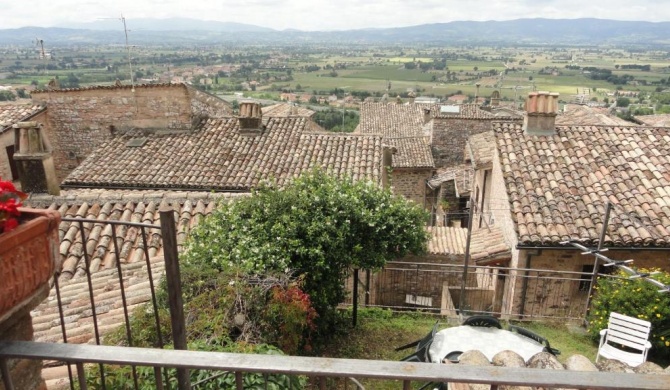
(411, 183)
(79, 120)
(450, 136)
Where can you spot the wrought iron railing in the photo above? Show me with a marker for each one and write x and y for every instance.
(323, 372)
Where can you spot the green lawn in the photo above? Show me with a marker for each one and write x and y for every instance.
(379, 332)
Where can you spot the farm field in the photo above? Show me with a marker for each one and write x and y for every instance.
(373, 70)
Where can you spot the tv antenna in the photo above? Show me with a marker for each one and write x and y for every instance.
(40, 43)
(130, 64)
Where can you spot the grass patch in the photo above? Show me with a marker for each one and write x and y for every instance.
(380, 331)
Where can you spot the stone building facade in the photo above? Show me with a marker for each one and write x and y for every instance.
(450, 135)
(411, 183)
(78, 120)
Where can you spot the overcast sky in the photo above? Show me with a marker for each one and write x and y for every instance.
(326, 14)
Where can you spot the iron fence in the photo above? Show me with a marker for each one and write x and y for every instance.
(518, 293)
(106, 277)
(111, 267)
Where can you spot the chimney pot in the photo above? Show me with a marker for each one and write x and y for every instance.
(250, 119)
(541, 111)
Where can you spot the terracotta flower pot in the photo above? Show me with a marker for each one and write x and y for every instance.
(28, 257)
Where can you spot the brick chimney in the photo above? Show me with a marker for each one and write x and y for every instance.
(250, 119)
(34, 160)
(541, 111)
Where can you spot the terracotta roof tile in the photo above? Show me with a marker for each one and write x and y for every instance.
(580, 115)
(463, 111)
(559, 185)
(218, 157)
(108, 87)
(13, 113)
(412, 152)
(285, 109)
(660, 120)
(137, 207)
(391, 119)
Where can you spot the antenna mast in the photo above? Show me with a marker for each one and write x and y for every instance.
(43, 54)
(130, 65)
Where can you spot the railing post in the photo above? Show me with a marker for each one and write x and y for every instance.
(354, 319)
(173, 279)
(6, 378)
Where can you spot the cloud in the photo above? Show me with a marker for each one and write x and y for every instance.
(328, 14)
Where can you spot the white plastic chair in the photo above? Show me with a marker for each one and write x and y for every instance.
(627, 331)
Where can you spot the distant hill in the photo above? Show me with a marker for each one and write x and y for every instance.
(169, 24)
(191, 31)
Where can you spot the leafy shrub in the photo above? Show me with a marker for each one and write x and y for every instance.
(635, 298)
(318, 227)
(290, 316)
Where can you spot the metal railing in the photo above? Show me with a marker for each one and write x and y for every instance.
(520, 293)
(323, 372)
(90, 242)
(83, 228)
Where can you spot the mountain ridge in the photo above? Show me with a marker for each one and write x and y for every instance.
(585, 31)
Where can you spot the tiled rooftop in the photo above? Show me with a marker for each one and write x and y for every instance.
(13, 113)
(412, 152)
(465, 111)
(660, 120)
(391, 119)
(580, 115)
(217, 157)
(137, 207)
(285, 109)
(485, 244)
(108, 87)
(559, 185)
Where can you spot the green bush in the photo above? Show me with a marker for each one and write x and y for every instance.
(318, 227)
(635, 298)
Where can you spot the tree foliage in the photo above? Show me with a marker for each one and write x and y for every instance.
(336, 120)
(318, 227)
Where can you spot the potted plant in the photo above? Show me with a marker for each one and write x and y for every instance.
(28, 250)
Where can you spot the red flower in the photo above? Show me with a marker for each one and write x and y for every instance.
(10, 201)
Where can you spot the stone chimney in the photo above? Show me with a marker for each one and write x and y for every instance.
(250, 119)
(541, 111)
(495, 99)
(37, 172)
(412, 96)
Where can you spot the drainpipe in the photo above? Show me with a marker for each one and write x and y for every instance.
(524, 285)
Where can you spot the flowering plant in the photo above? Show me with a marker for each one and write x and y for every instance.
(10, 201)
